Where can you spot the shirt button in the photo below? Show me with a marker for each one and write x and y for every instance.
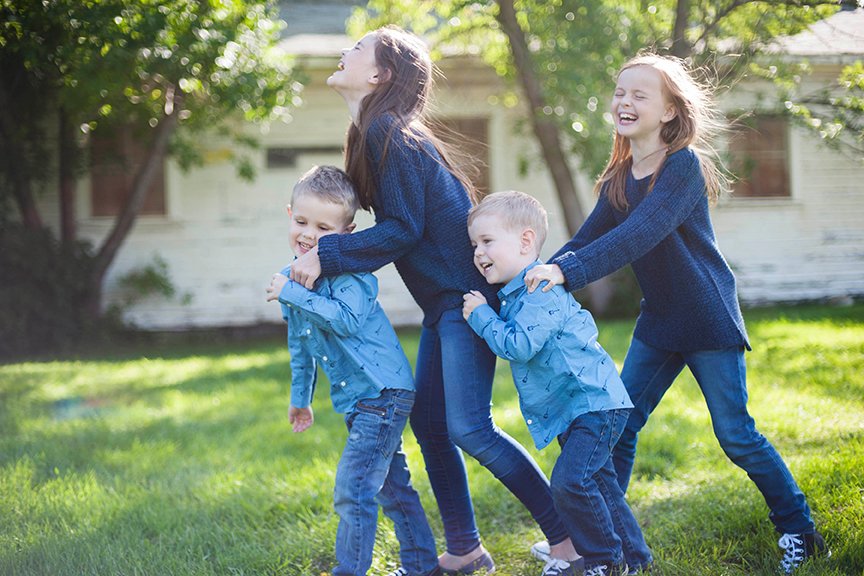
(530, 421)
(342, 384)
(324, 358)
(503, 303)
(308, 331)
(288, 305)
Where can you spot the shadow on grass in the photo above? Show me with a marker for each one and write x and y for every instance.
(250, 424)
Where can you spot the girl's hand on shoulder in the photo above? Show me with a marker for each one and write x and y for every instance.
(306, 269)
(549, 273)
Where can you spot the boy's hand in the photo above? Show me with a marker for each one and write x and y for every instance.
(306, 268)
(549, 273)
(301, 419)
(277, 282)
(470, 301)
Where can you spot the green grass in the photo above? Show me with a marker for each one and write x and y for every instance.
(179, 460)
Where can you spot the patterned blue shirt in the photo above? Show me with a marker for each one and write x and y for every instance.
(559, 368)
(341, 327)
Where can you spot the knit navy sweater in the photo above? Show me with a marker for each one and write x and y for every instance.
(421, 213)
(689, 297)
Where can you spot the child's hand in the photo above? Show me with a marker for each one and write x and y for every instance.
(470, 301)
(277, 282)
(306, 269)
(301, 419)
(549, 273)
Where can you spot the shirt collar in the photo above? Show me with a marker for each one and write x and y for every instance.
(517, 283)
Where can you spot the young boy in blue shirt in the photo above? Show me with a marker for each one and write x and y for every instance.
(340, 327)
(568, 385)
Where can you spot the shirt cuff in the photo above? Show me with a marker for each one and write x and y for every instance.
(574, 272)
(293, 293)
(328, 255)
(481, 317)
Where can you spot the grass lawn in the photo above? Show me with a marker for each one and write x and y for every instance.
(178, 459)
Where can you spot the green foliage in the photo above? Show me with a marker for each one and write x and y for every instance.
(137, 62)
(835, 113)
(172, 459)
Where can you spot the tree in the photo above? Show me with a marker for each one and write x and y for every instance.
(169, 70)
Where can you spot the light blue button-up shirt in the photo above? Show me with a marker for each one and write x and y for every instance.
(559, 368)
(341, 327)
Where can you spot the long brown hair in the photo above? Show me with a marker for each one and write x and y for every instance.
(406, 72)
(695, 124)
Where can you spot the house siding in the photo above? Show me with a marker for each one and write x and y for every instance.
(222, 237)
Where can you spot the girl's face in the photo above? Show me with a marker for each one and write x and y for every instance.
(357, 72)
(639, 105)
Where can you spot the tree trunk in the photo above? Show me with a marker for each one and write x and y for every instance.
(16, 165)
(66, 170)
(546, 132)
(680, 46)
(126, 218)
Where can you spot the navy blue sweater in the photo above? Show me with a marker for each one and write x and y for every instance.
(421, 214)
(689, 297)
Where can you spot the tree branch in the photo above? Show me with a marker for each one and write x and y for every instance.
(545, 129)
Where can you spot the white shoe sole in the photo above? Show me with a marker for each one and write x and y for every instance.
(540, 551)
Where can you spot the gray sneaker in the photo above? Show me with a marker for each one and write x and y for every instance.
(558, 567)
(604, 570)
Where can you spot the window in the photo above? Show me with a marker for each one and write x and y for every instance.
(286, 157)
(115, 157)
(470, 137)
(758, 151)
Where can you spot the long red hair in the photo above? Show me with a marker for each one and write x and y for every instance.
(406, 69)
(695, 124)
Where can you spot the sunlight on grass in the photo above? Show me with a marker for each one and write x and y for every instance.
(184, 463)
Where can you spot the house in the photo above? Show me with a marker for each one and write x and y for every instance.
(800, 236)
(794, 229)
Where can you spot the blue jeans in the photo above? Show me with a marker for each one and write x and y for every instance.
(588, 497)
(372, 472)
(454, 374)
(648, 372)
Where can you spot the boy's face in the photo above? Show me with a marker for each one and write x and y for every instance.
(313, 217)
(500, 253)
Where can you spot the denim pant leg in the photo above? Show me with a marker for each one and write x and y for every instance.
(580, 476)
(636, 551)
(647, 374)
(401, 503)
(374, 436)
(721, 375)
(444, 463)
(455, 369)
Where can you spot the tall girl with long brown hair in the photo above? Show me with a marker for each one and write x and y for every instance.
(421, 201)
(652, 212)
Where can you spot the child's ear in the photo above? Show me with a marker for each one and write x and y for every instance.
(382, 77)
(669, 113)
(527, 240)
(350, 228)
(288, 209)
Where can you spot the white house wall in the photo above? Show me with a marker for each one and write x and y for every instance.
(809, 246)
(223, 237)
